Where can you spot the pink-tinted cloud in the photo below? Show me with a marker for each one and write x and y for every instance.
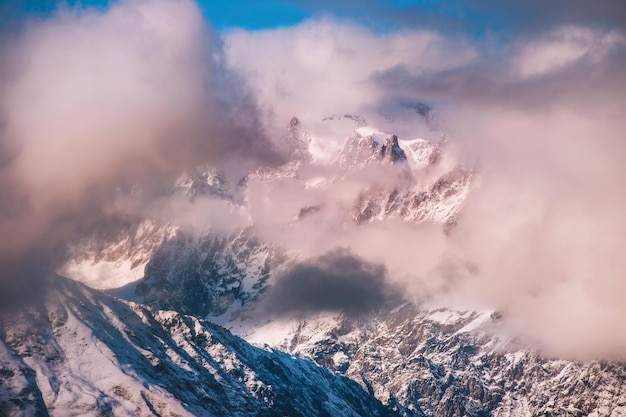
(94, 101)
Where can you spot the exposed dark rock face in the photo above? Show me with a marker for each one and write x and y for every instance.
(391, 150)
(205, 275)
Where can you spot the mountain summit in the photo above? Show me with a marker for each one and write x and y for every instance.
(391, 150)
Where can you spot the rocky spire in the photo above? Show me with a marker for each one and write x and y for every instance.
(392, 151)
(296, 142)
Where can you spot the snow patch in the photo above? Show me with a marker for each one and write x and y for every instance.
(103, 275)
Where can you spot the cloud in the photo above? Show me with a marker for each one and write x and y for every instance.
(195, 217)
(538, 113)
(324, 67)
(409, 252)
(337, 281)
(569, 66)
(94, 101)
(545, 227)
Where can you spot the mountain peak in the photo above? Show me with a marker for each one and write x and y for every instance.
(295, 144)
(392, 151)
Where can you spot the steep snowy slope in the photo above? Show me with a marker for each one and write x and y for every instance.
(82, 352)
(447, 363)
(113, 260)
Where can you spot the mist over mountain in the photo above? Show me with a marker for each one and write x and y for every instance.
(94, 102)
(433, 211)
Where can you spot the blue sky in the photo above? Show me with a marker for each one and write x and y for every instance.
(223, 14)
(476, 18)
(252, 14)
(378, 15)
(266, 14)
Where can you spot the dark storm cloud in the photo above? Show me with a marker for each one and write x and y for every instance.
(338, 281)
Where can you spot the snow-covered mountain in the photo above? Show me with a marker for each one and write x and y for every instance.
(447, 363)
(415, 359)
(81, 352)
(207, 273)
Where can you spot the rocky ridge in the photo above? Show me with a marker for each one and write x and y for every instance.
(82, 352)
(447, 363)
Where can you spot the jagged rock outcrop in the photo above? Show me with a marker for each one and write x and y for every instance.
(358, 151)
(439, 202)
(205, 180)
(296, 144)
(207, 275)
(448, 363)
(391, 150)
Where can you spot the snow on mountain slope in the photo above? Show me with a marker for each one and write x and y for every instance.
(422, 152)
(82, 352)
(104, 274)
(113, 261)
(439, 202)
(363, 144)
(447, 363)
(204, 181)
